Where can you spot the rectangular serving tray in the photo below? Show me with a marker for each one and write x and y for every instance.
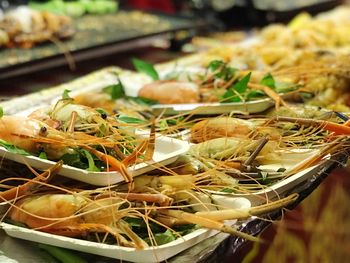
(166, 151)
(152, 254)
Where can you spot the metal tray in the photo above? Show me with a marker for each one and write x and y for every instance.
(95, 36)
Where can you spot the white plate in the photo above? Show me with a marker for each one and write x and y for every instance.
(255, 106)
(153, 254)
(282, 187)
(166, 151)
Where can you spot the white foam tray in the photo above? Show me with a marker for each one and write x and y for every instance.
(152, 254)
(283, 186)
(166, 151)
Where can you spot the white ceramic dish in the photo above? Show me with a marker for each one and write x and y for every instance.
(153, 254)
(166, 151)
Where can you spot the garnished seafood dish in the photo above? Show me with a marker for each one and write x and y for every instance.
(86, 139)
(115, 217)
(24, 27)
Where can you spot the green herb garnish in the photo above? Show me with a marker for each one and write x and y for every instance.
(146, 68)
(220, 70)
(227, 190)
(65, 94)
(116, 91)
(13, 149)
(43, 155)
(142, 101)
(268, 81)
(92, 167)
(239, 87)
(128, 119)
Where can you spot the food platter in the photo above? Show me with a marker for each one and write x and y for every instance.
(166, 151)
(255, 106)
(259, 166)
(121, 31)
(153, 254)
(282, 187)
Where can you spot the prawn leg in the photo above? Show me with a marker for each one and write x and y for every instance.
(227, 214)
(269, 92)
(207, 223)
(161, 199)
(336, 128)
(112, 162)
(26, 188)
(84, 228)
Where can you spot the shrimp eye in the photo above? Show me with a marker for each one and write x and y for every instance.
(103, 115)
(43, 130)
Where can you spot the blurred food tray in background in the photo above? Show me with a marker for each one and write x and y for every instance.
(95, 36)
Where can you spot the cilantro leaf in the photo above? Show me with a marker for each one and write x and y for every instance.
(65, 94)
(215, 65)
(92, 167)
(221, 70)
(268, 81)
(116, 91)
(164, 238)
(143, 101)
(227, 190)
(255, 94)
(74, 159)
(146, 68)
(128, 119)
(43, 155)
(240, 87)
(12, 148)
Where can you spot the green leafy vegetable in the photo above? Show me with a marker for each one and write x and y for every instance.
(255, 94)
(143, 101)
(116, 91)
(13, 149)
(64, 255)
(268, 81)
(1, 112)
(163, 238)
(146, 68)
(239, 87)
(43, 155)
(242, 85)
(139, 226)
(128, 119)
(65, 94)
(102, 111)
(216, 65)
(227, 190)
(283, 87)
(185, 229)
(221, 70)
(74, 159)
(163, 125)
(92, 167)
